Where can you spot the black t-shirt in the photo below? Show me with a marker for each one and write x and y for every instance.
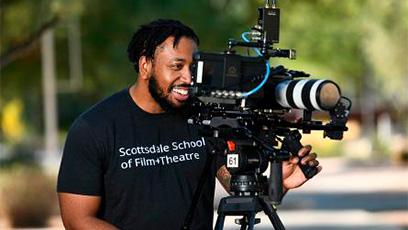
(144, 166)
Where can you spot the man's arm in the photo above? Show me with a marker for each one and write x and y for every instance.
(79, 212)
(224, 177)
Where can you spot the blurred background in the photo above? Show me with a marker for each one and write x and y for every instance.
(59, 57)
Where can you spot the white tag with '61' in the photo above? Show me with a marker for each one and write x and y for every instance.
(232, 161)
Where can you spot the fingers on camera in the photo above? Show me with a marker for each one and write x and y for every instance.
(309, 158)
(305, 150)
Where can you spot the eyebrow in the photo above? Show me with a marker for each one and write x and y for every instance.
(178, 59)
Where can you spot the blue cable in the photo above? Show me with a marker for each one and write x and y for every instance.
(261, 84)
(243, 36)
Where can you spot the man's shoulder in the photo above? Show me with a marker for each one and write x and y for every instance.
(107, 109)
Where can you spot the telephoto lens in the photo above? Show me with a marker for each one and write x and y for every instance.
(308, 94)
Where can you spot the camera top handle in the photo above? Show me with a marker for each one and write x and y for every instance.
(265, 34)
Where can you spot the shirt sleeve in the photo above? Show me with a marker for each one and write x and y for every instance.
(81, 169)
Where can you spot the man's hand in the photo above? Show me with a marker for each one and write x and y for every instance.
(292, 175)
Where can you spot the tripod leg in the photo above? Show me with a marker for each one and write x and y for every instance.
(220, 222)
(244, 222)
(273, 216)
(251, 221)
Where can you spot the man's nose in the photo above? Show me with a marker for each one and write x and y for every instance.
(186, 76)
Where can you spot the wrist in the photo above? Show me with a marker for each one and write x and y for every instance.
(284, 189)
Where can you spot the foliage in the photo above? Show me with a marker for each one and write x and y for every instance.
(385, 47)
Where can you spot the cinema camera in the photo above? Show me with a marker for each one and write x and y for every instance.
(243, 101)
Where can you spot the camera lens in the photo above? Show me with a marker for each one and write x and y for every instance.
(307, 94)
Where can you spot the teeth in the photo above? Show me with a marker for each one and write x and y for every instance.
(181, 91)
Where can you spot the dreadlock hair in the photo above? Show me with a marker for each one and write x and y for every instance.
(146, 39)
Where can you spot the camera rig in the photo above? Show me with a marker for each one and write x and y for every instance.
(244, 102)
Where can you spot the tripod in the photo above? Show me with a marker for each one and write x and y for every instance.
(246, 206)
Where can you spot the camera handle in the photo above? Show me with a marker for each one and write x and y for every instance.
(270, 3)
(291, 143)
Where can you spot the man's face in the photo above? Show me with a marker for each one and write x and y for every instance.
(171, 74)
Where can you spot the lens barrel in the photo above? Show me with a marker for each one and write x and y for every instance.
(308, 94)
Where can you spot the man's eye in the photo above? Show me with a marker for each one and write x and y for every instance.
(177, 66)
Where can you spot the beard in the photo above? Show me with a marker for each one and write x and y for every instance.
(160, 96)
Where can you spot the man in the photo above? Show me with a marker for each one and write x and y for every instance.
(132, 161)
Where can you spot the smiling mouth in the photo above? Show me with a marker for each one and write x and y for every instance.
(181, 93)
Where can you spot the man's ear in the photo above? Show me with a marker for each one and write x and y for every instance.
(145, 67)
